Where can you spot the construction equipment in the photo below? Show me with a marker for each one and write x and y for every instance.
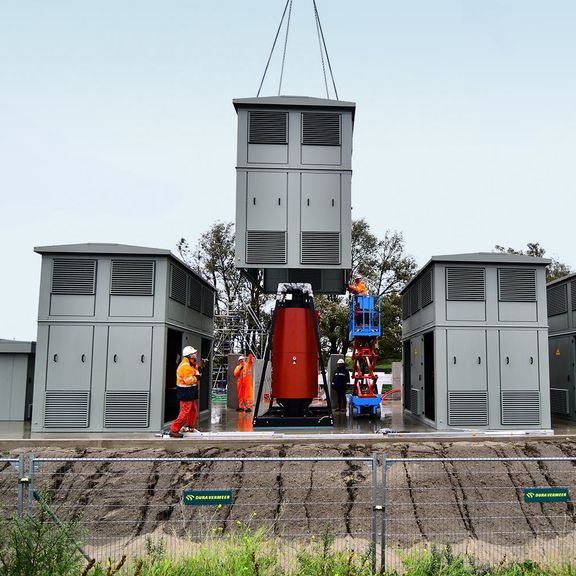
(364, 329)
(294, 348)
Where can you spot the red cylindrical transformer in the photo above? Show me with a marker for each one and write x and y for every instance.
(294, 358)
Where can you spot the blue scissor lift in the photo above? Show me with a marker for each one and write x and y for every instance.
(364, 329)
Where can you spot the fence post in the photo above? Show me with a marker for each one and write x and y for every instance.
(383, 533)
(374, 509)
(30, 480)
(21, 484)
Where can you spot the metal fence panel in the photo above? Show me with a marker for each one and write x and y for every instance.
(129, 505)
(479, 508)
(10, 488)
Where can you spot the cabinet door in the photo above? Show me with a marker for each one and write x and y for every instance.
(320, 202)
(266, 201)
(519, 360)
(129, 350)
(467, 360)
(69, 358)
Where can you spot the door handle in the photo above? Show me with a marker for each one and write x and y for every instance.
(332, 201)
(308, 202)
(142, 358)
(83, 358)
(254, 201)
(507, 359)
(454, 359)
(115, 358)
(479, 360)
(531, 359)
(278, 201)
(55, 358)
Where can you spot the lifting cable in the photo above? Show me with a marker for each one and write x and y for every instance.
(285, 45)
(319, 27)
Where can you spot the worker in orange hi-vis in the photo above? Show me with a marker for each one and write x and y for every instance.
(358, 287)
(243, 373)
(187, 376)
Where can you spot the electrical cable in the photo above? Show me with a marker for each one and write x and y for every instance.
(321, 53)
(285, 45)
(325, 49)
(273, 46)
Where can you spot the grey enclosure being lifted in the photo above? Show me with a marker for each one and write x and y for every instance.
(293, 191)
(475, 342)
(112, 322)
(16, 379)
(562, 352)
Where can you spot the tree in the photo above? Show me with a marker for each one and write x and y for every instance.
(554, 270)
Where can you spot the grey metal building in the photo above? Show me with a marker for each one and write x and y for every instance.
(562, 353)
(475, 342)
(16, 379)
(293, 191)
(112, 322)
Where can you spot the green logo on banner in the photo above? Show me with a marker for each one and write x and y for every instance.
(207, 497)
(546, 495)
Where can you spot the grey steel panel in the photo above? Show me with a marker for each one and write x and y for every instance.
(468, 408)
(129, 355)
(466, 311)
(73, 305)
(557, 299)
(321, 248)
(266, 201)
(466, 283)
(265, 247)
(573, 294)
(557, 323)
(519, 360)
(267, 154)
(517, 311)
(207, 302)
(415, 297)
(132, 306)
(560, 401)
(194, 298)
(520, 407)
(268, 127)
(73, 276)
(561, 362)
(416, 401)
(132, 277)
(69, 357)
(126, 409)
(321, 155)
(320, 202)
(517, 285)
(13, 382)
(67, 409)
(466, 360)
(178, 282)
(427, 288)
(321, 128)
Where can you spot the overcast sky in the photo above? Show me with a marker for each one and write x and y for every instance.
(116, 121)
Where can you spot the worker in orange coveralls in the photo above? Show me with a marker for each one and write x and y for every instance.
(187, 376)
(243, 373)
(358, 287)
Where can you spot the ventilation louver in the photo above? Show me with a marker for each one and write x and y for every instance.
(73, 276)
(468, 408)
(559, 402)
(320, 248)
(426, 291)
(265, 247)
(321, 129)
(177, 284)
(557, 300)
(268, 128)
(520, 407)
(66, 409)
(415, 401)
(132, 278)
(126, 409)
(573, 292)
(415, 297)
(466, 284)
(405, 305)
(516, 285)
(207, 302)
(194, 294)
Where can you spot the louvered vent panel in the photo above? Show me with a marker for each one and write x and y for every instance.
(415, 297)
(573, 291)
(207, 302)
(520, 407)
(320, 248)
(557, 300)
(466, 284)
(468, 408)
(406, 305)
(559, 403)
(321, 129)
(268, 128)
(265, 247)
(71, 276)
(426, 288)
(126, 409)
(132, 278)
(194, 294)
(516, 285)
(177, 284)
(66, 409)
(415, 401)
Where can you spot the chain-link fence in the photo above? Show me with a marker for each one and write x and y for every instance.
(135, 506)
(493, 510)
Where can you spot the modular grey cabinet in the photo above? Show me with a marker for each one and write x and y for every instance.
(112, 322)
(561, 346)
(486, 317)
(293, 193)
(16, 378)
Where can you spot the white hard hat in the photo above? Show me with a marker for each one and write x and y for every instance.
(188, 351)
(340, 361)
(241, 358)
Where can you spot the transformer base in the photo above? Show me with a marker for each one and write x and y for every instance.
(275, 418)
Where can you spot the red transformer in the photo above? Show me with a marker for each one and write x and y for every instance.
(293, 348)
